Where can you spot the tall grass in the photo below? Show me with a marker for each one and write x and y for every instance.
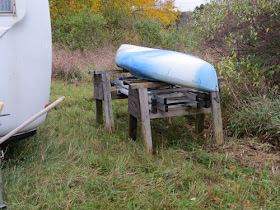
(70, 65)
(74, 163)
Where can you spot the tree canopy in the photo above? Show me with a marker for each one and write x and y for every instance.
(163, 11)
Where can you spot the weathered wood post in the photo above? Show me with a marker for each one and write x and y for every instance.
(217, 117)
(102, 93)
(145, 120)
(132, 127)
(109, 118)
(98, 95)
(199, 123)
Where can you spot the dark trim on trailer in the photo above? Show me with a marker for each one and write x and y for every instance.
(19, 137)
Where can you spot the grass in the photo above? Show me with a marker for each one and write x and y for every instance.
(74, 163)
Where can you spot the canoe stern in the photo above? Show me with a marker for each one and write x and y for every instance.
(206, 78)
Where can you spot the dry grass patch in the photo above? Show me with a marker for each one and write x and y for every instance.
(254, 154)
(73, 64)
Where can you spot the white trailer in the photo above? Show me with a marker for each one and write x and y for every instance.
(25, 63)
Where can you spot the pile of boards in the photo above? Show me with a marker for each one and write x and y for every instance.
(168, 97)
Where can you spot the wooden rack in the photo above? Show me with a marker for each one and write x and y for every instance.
(150, 100)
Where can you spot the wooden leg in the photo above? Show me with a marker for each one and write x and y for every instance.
(132, 127)
(109, 119)
(98, 95)
(99, 111)
(217, 118)
(145, 120)
(199, 123)
(169, 120)
(98, 88)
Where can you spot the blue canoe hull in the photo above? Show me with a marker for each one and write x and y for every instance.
(168, 66)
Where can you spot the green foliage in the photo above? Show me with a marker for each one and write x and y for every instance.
(259, 118)
(254, 106)
(243, 36)
(240, 70)
(149, 32)
(83, 30)
(249, 27)
(119, 20)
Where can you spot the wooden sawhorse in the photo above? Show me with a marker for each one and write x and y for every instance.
(138, 109)
(102, 92)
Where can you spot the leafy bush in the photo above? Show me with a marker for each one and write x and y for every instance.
(243, 76)
(148, 32)
(243, 36)
(244, 26)
(83, 30)
(259, 118)
(248, 27)
(181, 38)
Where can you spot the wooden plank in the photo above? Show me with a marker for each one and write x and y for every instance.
(179, 100)
(147, 84)
(167, 107)
(107, 72)
(133, 81)
(175, 95)
(168, 89)
(98, 87)
(115, 95)
(162, 107)
(109, 119)
(98, 111)
(132, 127)
(193, 104)
(217, 118)
(134, 103)
(199, 123)
(145, 120)
(180, 112)
(199, 94)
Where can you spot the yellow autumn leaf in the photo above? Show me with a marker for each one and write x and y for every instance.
(263, 3)
(159, 180)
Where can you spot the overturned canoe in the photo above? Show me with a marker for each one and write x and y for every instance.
(167, 66)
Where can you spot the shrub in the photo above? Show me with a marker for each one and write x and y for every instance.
(260, 117)
(148, 32)
(82, 31)
(248, 27)
(181, 38)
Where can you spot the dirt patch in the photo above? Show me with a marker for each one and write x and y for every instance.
(254, 154)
